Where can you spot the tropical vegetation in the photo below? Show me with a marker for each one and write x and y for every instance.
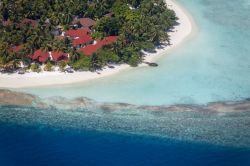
(140, 25)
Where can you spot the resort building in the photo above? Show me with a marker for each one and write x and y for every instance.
(82, 22)
(80, 37)
(87, 22)
(77, 32)
(40, 56)
(90, 49)
(58, 56)
(43, 56)
(82, 41)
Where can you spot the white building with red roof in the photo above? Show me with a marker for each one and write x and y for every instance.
(40, 56)
(58, 56)
(92, 48)
(80, 37)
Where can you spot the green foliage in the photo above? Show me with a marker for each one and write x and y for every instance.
(106, 26)
(83, 63)
(1, 63)
(62, 64)
(134, 60)
(108, 56)
(147, 46)
(97, 35)
(134, 3)
(131, 56)
(143, 26)
(74, 55)
(97, 62)
(121, 9)
(48, 67)
(35, 68)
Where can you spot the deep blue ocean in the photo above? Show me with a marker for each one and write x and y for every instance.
(33, 146)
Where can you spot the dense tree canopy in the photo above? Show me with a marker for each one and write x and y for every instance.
(140, 24)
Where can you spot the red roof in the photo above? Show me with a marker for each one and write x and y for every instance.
(90, 49)
(82, 40)
(40, 56)
(16, 49)
(86, 22)
(59, 55)
(108, 40)
(77, 32)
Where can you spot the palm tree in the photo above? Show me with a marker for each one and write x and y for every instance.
(36, 39)
(58, 45)
(55, 18)
(46, 46)
(24, 54)
(4, 53)
(74, 55)
(96, 62)
(67, 17)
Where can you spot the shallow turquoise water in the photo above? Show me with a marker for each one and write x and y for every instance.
(212, 66)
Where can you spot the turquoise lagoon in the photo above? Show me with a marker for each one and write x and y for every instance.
(213, 65)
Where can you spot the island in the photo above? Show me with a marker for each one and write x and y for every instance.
(84, 35)
(88, 39)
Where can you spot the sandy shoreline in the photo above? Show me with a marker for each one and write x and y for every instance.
(179, 35)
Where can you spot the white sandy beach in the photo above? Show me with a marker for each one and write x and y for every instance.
(179, 34)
